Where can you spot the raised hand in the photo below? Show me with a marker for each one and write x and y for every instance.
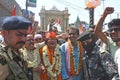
(108, 10)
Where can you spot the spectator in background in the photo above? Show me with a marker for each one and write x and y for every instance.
(92, 28)
(38, 38)
(42, 33)
(100, 43)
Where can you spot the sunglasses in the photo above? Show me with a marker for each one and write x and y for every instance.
(114, 29)
(29, 40)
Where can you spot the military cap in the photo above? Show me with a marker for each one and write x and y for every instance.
(85, 35)
(15, 22)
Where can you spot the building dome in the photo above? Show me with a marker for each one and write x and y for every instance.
(54, 8)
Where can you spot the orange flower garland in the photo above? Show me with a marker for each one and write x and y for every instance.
(52, 62)
(72, 66)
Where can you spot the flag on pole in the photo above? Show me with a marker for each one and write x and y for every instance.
(14, 11)
(31, 3)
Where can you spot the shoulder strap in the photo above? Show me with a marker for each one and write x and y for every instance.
(3, 59)
(14, 67)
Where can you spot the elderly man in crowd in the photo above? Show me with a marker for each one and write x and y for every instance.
(38, 38)
(31, 55)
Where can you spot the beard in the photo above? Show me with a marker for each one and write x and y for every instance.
(116, 39)
(89, 47)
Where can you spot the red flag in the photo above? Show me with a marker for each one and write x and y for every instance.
(14, 11)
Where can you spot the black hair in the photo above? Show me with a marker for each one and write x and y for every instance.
(47, 40)
(74, 28)
(114, 22)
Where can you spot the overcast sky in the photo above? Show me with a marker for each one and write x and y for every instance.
(76, 8)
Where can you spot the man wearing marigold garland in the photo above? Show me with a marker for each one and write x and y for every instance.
(51, 57)
(72, 57)
(31, 55)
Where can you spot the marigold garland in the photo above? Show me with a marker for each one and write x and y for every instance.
(56, 62)
(74, 71)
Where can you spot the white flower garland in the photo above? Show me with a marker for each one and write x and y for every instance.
(56, 62)
(30, 63)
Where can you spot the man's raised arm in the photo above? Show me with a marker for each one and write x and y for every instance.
(98, 27)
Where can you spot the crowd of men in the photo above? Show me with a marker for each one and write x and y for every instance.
(28, 54)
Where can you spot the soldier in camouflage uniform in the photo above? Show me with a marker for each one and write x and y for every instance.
(12, 65)
(98, 63)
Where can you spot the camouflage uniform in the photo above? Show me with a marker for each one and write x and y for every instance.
(100, 65)
(11, 67)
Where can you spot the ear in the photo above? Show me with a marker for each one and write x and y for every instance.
(4, 33)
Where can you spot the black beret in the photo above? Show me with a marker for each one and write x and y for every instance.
(15, 22)
(85, 35)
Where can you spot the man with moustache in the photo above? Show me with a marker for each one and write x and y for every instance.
(112, 41)
(12, 65)
(51, 58)
(31, 55)
(96, 59)
(72, 52)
